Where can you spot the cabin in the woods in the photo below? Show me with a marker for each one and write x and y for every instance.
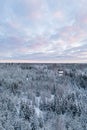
(60, 72)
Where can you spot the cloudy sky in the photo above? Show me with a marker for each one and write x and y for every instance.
(43, 30)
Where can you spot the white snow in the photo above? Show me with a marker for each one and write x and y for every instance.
(27, 79)
(37, 99)
(38, 112)
(52, 97)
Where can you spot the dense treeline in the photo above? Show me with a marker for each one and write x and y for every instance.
(36, 97)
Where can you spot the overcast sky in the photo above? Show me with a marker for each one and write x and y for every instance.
(43, 30)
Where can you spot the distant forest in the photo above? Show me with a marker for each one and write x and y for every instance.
(43, 96)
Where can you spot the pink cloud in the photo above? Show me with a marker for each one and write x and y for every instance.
(36, 15)
(37, 12)
(73, 33)
(35, 4)
(39, 43)
(59, 15)
(84, 20)
(14, 24)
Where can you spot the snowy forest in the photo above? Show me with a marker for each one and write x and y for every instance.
(43, 96)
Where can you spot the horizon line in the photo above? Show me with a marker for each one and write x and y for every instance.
(38, 62)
